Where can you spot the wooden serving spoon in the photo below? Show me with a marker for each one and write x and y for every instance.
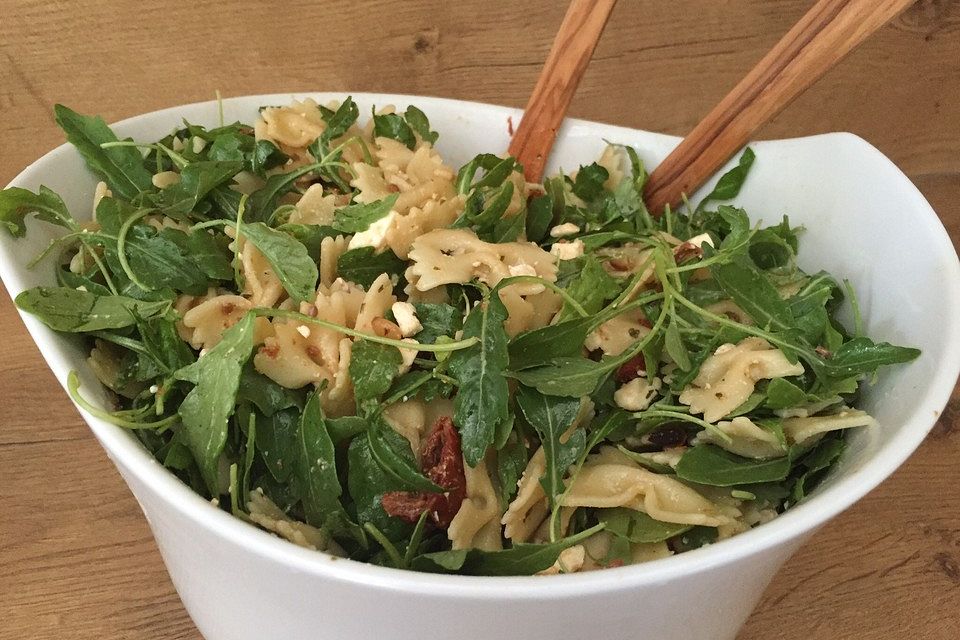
(568, 58)
(829, 31)
(824, 35)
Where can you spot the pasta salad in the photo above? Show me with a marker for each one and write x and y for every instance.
(321, 327)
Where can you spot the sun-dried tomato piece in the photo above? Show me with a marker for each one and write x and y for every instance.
(408, 505)
(441, 457)
(668, 436)
(441, 460)
(686, 251)
(631, 369)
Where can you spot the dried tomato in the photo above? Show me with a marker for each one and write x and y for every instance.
(668, 436)
(631, 369)
(441, 460)
(408, 505)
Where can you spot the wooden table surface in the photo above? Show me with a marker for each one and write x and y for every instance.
(76, 557)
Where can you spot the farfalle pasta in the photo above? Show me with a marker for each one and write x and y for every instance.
(729, 376)
(320, 325)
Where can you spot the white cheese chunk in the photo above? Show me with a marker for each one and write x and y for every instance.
(376, 235)
(565, 229)
(567, 250)
(406, 317)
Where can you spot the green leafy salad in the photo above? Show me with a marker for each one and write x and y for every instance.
(319, 326)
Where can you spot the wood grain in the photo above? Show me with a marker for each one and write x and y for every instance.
(76, 557)
(557, 84)
(829, 31)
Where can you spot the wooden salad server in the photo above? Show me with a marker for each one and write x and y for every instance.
(823, 36)
(567, 61)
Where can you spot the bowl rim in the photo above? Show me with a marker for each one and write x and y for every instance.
(802, 519)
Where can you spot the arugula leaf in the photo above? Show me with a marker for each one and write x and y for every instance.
(862, 356)
(122, 168)
(315, 470)
(197, 180)
(207, 408)
(418, 122)
(465, 176)
(738, 228)
(309, 235)
(770, 250)
(694, 539)
(366, 483)
(407, 386)
(66, 309)
(226, 202)
(265, 155)
(496, 174)
(276, 439)
(520, 560)
(594, 241)
(164, 345)
(707, 464)
(822, 457)
(438, 319)
(70, 280)
(206, 252)
(754, 293)
(588, 184)
(373, 367)
(392, 454)
(355, 218)
(781, 394)
(591, 288)
(288, 258)
(16, 204)
(637, 527)
(231, 146)
(268, 396)
(539, 217)
(159, 259)
(575, 377)
(511, 461)
(508, 229)
(494, 208)
(481, 402)
(552, 416)
(263, 201)
(345, 428)
(363, 265)
(673, 343)
(338, 123)
(538, 347)
(393, 126)
(729, 184)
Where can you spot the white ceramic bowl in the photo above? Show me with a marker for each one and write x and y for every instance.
(865, 221)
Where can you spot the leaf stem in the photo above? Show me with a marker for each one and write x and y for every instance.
(400, 344)
(340, 147)
(576, 306)
(388, 546)
(73, 388)
(219, 106)
(686, 417)
(415, 539)
(121, 246)
(855, 308)
(56, 242)
(237, 275)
